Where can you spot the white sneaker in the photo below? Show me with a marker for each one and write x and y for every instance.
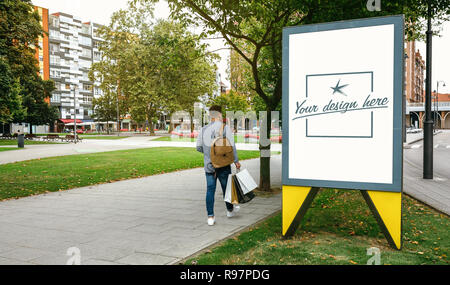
(236, 209)
(211, 221)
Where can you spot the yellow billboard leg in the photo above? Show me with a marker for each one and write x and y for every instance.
(387, 209)
(296, 201)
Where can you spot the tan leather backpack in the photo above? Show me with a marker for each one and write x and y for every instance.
(221, 150)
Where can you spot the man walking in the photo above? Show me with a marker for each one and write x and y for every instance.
(204, 142)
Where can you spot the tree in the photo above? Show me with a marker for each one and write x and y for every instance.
(254, 30)
(39, 112)
(197, 78)
(10, 100)
(157, 66)
(105, 108)
(19, 33)
(231, 101)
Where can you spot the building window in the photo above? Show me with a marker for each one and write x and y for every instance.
(85, 41)
(55, 73)
(54, 21)
(54, 60)
(87, 99)
(97, 91)
(67, 86)
(86, 29)
(97, 55)
(87, 52)
(54, 34)
(56, 98)
(87, 87)
(54, 47)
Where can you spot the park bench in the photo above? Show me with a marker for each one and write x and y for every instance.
(30, 136)
(71, 138)
(6, 137)
(51, 137)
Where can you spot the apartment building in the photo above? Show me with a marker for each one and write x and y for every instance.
(72, 50)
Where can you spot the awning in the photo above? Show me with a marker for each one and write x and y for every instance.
(67, 121)
(80, 124)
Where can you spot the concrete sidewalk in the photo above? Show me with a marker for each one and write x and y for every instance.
(159, 219)
(434, 192)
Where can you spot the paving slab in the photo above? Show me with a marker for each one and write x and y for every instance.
(159, 219)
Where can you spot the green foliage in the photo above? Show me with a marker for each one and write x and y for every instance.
(10, 100)
(231, 101)
(253, 29)
(338, 229)
(21, 83)
(154, 66)
(105, 108)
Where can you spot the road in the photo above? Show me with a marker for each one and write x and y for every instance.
(441, 155)
(435, 192)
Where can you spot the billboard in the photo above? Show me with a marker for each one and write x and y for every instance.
(342, 104)
(342, 117)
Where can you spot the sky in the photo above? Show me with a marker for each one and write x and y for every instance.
(100, 11)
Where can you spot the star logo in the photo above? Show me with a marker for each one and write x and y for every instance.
(338, 88)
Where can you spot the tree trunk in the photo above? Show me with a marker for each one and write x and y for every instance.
(191, 118)
(30, 131)
(107, 127)
(171, 126)
(150, 123)
(264, 160)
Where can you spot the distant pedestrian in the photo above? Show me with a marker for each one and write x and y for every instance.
(205, 139)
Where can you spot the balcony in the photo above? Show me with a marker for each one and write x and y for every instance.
(420, 107)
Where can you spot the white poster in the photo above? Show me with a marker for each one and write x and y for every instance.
(341, 105)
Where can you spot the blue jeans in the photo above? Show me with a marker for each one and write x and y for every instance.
(211, 180)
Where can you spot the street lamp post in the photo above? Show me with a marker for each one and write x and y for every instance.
(428, 123)
(405, 57)
(74, 114)
(437, 97)
(117, 108)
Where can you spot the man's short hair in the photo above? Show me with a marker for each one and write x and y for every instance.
(215, 108)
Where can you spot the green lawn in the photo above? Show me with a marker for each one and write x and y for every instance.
(14, 142)
(338, 229)
(8, 148)
(65, 172)
(64, 134)
(237, 139)
(102, 137)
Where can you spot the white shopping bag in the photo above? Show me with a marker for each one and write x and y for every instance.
(246, 181)
(227, 197)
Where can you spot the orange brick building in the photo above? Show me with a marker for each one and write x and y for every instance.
(42, 52)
